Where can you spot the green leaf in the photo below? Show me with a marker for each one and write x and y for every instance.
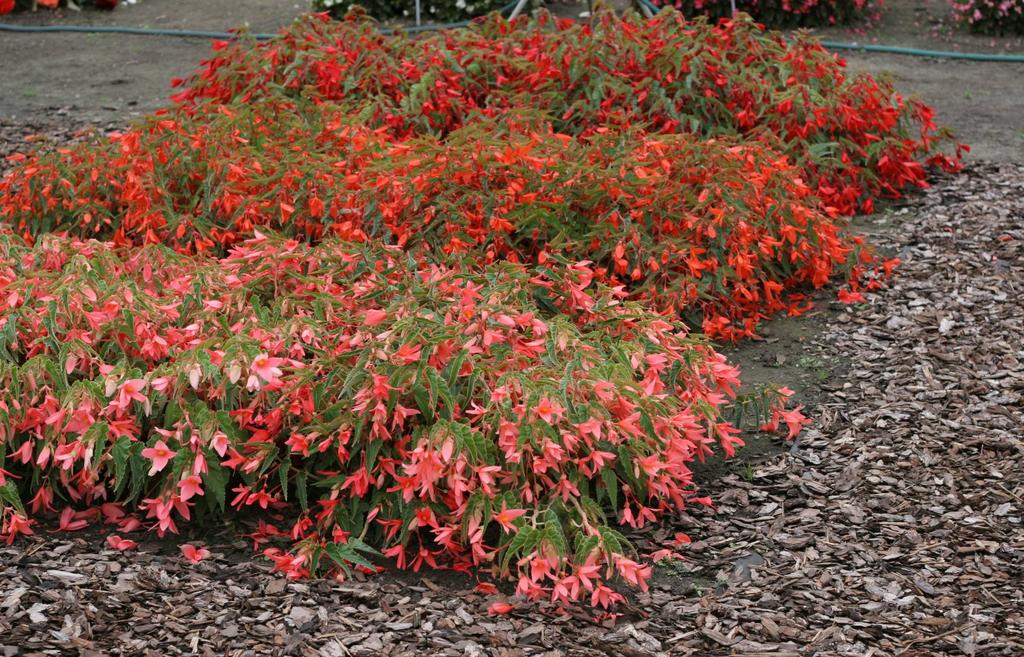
(454, 367)
(553, 531)
(229, 427)
(439, 387)
(524, 541)
(614, 542)
(648, 426)
(9, 494)
(372, 450)
(216, 480)
(423, 401)
(97, 435)
(358, 544)
(611, 486)
(282, 475)
(138, 467)
(121, 450)
(344, 555)
(301, 489)
(584, 546)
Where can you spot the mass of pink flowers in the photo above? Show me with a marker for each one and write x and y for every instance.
(991, 16)
(486, 420)
(781, 13)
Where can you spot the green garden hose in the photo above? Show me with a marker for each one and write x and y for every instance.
(146, 31)
(917, 52)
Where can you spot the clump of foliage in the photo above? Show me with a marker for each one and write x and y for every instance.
(718, 230)
(702, 166)
(854, 137)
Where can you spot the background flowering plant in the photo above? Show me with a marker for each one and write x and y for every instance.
(7, 6)
(779, 13)
(855, 137)
(430, 10)
(991, 16)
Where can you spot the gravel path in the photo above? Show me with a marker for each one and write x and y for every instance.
(893, 527)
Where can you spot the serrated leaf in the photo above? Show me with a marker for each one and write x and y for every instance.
(97, 436)
(9, 494)
(439, 388)
(344, 555)
(611, 486)
(121, 450)
(524, 541)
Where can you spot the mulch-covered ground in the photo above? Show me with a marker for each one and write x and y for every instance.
(46, 132)
(892, 527)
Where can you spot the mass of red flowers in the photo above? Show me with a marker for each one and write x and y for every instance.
(428, 299)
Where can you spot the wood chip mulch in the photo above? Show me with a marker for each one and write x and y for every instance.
(59, 128)
(892, 527)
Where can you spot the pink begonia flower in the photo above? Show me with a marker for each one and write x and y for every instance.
(267, 368)
(194, 554)
(131, 390)
(190, 486)
(160, 454)
(119, 543)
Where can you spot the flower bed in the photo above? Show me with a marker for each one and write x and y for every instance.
(854, 137)
(718, 229)
(461, 343)
(703, 180)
